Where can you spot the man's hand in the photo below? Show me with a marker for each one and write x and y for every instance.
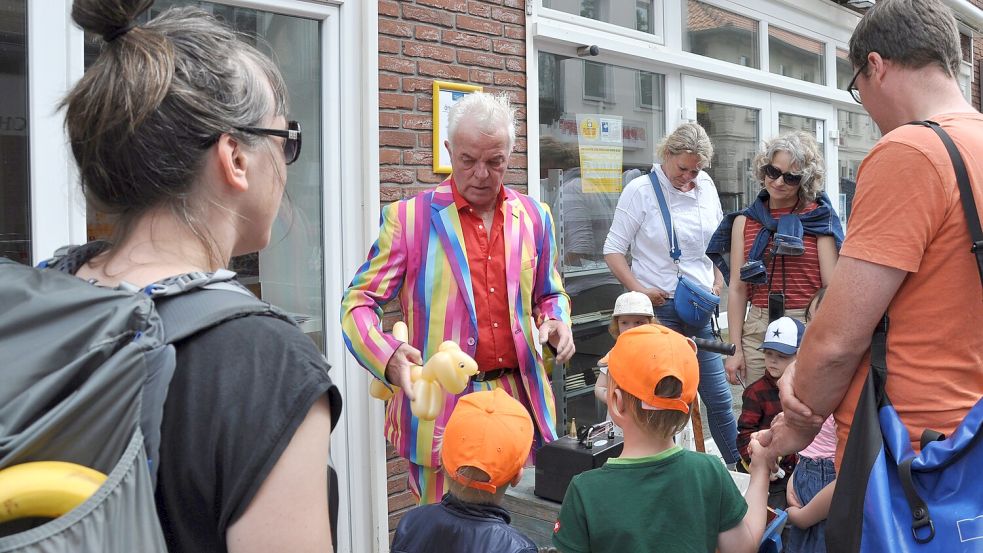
(658, 296)
(398, 367)
(735, 367)
(797, 414)
(558, 334)
(781, 439)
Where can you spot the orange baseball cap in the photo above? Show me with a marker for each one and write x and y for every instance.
(646, 354)
(490, 431)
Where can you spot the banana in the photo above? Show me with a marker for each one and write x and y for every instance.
(45, 489)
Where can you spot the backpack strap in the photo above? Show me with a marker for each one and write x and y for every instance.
(965, 192)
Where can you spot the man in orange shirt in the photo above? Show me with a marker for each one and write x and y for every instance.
(907, 252)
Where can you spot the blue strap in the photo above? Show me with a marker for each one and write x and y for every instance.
(674, 252)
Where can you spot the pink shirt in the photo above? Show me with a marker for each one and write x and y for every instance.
(824, 446)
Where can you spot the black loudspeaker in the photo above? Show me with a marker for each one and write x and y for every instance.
(558, 462)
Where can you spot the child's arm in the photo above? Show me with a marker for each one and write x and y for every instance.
(746, 536)
(815, 511)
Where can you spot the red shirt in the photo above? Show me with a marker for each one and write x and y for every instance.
(486, 261)
(802, 277)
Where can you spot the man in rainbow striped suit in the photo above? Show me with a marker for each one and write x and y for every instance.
(473, 262)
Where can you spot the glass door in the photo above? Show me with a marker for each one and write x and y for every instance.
(15, 235)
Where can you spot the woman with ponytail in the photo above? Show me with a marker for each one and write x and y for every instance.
(180, 133)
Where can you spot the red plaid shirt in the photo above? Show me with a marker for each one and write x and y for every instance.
(761, 405)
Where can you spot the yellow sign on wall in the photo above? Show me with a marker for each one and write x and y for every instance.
(601, 152)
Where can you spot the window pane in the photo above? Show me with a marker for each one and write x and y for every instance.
(733, 130)
(588, 150)
(844, 69)
(640, 15)
(858, 134)
(720, 34)
(289, 272)
(15, 184)
(788, 122)
(796, 56)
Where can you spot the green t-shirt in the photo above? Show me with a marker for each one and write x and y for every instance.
(677, 501)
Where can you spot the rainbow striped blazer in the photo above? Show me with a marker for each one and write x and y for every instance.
(420, 256)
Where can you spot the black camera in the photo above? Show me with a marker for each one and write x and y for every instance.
(776, 306)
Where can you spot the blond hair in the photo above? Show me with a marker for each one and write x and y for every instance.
(663, 423)
(688, 138)
(613, 326)
(472, 495)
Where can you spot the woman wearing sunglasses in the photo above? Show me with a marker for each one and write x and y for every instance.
(777, 252)
(179, 132)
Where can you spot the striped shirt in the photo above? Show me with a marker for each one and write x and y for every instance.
(802, 276)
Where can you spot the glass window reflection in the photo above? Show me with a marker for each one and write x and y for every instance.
(796, 56)
(720, 34)
(640, 15)
(858, 134)
(15, 182)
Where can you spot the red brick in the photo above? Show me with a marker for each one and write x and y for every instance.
(395, 174)
(401, 500)
(388, 100)
(452, 5)
(478, 25)
(388, 156)
(395, 28)
(518, 161)
(480, 58)
(513, 4)
(515, 32)
(479, 9)
(507, 15)
(443, 71)
(520, 113)
(417, 157)
(414, 84)
(520, 145)
(388, 45)
(425, 103)
(390, 451)
(431, 34)
(394, 517)
(395, 485)
(388, 8)
(482, 76)
(510, 47)
(391, 194)
(426, 175)
(467, 40)
(515, 64)
(388, 82)
(516, 177)
(427, 15)
(510, 79)
(429, 51)
(425, 140)
(388, 120)
(418, 122)
(396, 65)
(406, 139)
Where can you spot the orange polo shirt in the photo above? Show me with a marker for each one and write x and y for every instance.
(486, 262)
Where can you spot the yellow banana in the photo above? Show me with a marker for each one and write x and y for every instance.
(46, 489)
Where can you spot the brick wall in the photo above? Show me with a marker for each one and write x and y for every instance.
(479, 42)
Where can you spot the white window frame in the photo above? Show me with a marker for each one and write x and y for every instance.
(349, 122)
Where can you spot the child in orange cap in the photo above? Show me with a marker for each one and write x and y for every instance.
(657, 496)
(486, 443)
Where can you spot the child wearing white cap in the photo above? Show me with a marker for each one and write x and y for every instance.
(631, 309)
(760, 401)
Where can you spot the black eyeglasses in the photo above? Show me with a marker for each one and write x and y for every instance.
(773, 173)
(852, 87)
(291, 144)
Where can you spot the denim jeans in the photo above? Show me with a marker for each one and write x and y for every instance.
(810, 476)
(714, 389)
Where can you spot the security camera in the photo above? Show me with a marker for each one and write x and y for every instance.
(591, 50)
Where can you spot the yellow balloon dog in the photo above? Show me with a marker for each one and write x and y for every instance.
(450, 368)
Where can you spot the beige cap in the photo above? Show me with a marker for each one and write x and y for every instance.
(633, 303)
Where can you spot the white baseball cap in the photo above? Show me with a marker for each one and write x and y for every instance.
(784, 335)
(633, 303)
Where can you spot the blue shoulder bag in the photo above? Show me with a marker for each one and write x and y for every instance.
(694, 305)
(887, 498)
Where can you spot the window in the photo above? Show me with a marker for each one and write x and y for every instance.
(273, 274)
(647, 94)
(858, 134)
(639, 15)
(720, 34)
(596, 81)
(15, 182)
(844, 69)
(733, 130)
(796, 56)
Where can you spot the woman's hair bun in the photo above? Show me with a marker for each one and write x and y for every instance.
(109, 18)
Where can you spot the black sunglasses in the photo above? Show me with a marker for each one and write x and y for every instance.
(772, 172)
(291, 144)
(852, 87)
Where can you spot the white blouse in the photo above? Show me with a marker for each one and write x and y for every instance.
(638, 226)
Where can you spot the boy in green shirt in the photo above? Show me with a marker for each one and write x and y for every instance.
(656, 496)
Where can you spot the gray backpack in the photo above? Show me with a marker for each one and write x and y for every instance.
(84, 373)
